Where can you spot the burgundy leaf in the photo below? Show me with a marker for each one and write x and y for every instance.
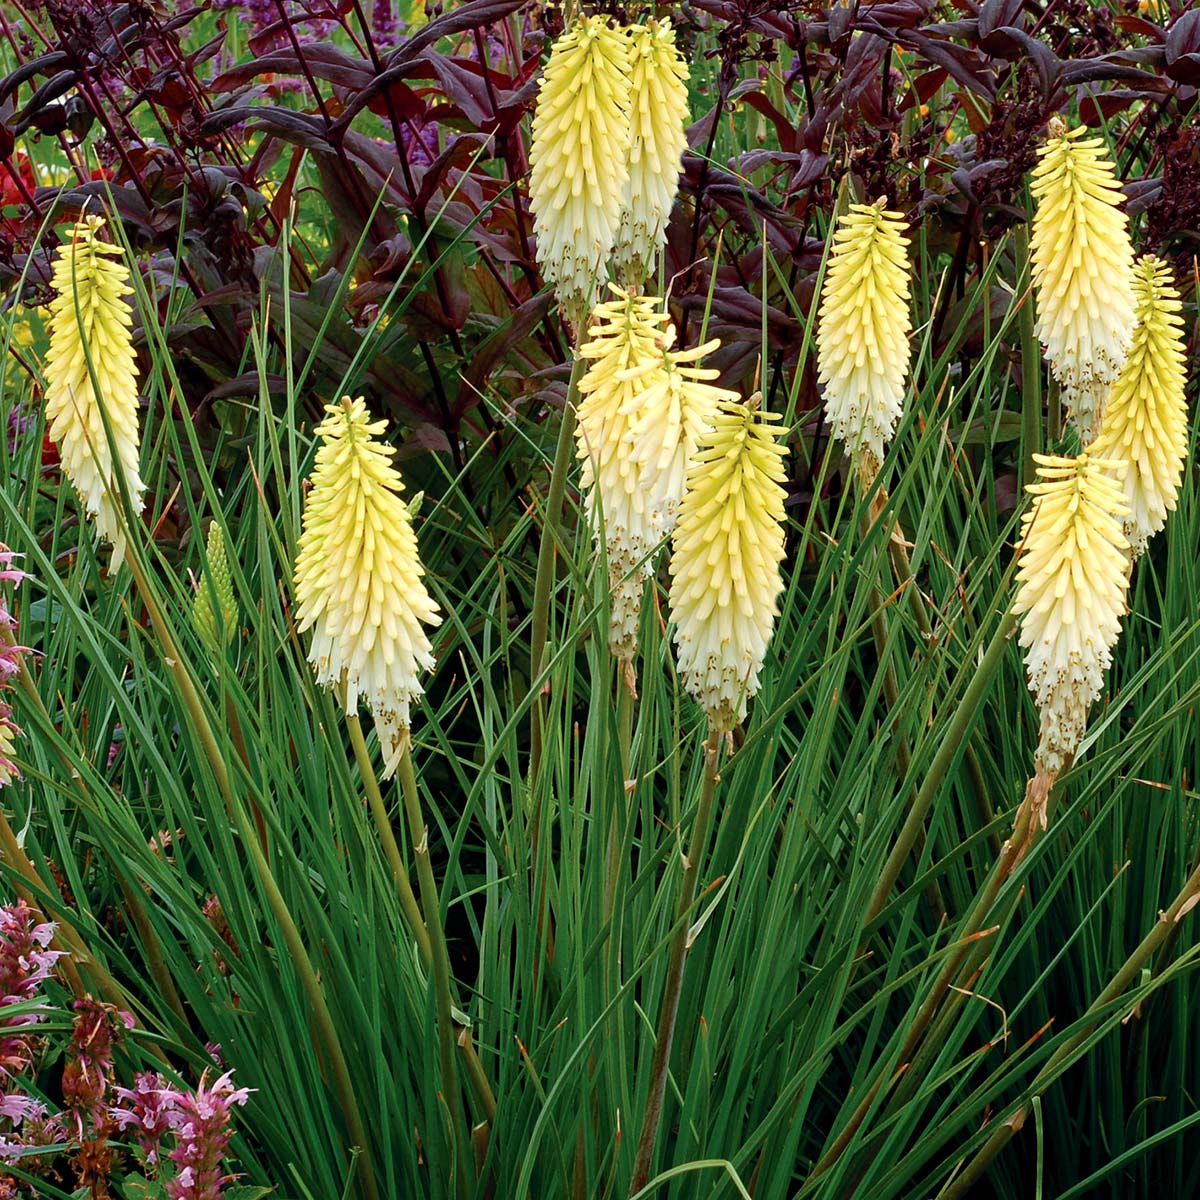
(1044, 59)
(862, 66)
(994, 13)
(467, 88)
(493, 349)
(42, 65)
(1093, 70)
(460, 151)
(323, 60)
(1183, 38)
(51, 90)
(476, 14)
(300, 129)
(959, 62)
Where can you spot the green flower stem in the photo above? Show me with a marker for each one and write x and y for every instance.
(936, 774)
(675, 963)
(440, 964)
(909, 836)
(624, 740)
(383, 824)
(1007, 1128)
(1031, 361)
(1054, 417)
(202, 728)
(412, 910)
(891, 688)
(965, 936)
(958, 970)
(476, 1076)
(547, 550)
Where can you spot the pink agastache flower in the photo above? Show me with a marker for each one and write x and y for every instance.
(147, 1107)
(17, 1107)
(9, 573)
(201, 1123)
(25, 964)
(89, 1059)
(11, 656)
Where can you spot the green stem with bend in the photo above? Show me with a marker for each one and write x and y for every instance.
(547, 549)
(440, 964)
(675, 964)
(963, 717)
(309, 982)
(412, 910)
(383, 825)
(1116, 986)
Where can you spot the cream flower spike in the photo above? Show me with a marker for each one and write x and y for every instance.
(1072, 579)
(580, 160)
(359, 583)
(728, 546)
(625, 353)
(679, 403)
(1145, 426)
(1082, 269)
(862, 340)
(90, 318)
(658, 112)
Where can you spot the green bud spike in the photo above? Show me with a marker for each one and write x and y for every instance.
(214, 610)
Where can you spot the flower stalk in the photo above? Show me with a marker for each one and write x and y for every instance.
(676, 959)
(440, 963)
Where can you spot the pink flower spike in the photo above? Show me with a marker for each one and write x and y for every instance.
(201, 1122)
(8, 572)
(148, 1107)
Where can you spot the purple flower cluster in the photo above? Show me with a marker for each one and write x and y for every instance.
(386, 27)
(420, 143)
(147, 1109)
(25, 964)
(85, 1080)
(11, 656)
(198, 1121)
(201, 1123)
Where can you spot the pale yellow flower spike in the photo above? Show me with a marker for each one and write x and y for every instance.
(1072, 579)
(580, 160)
(679, 404)
(1083, 271)
(658, 114)
(626, 356)
(863, 351)
(359, 578)
(728, 546)
(1145, 426)
(90, 318)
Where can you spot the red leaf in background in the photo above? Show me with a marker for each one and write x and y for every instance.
(10, 190)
